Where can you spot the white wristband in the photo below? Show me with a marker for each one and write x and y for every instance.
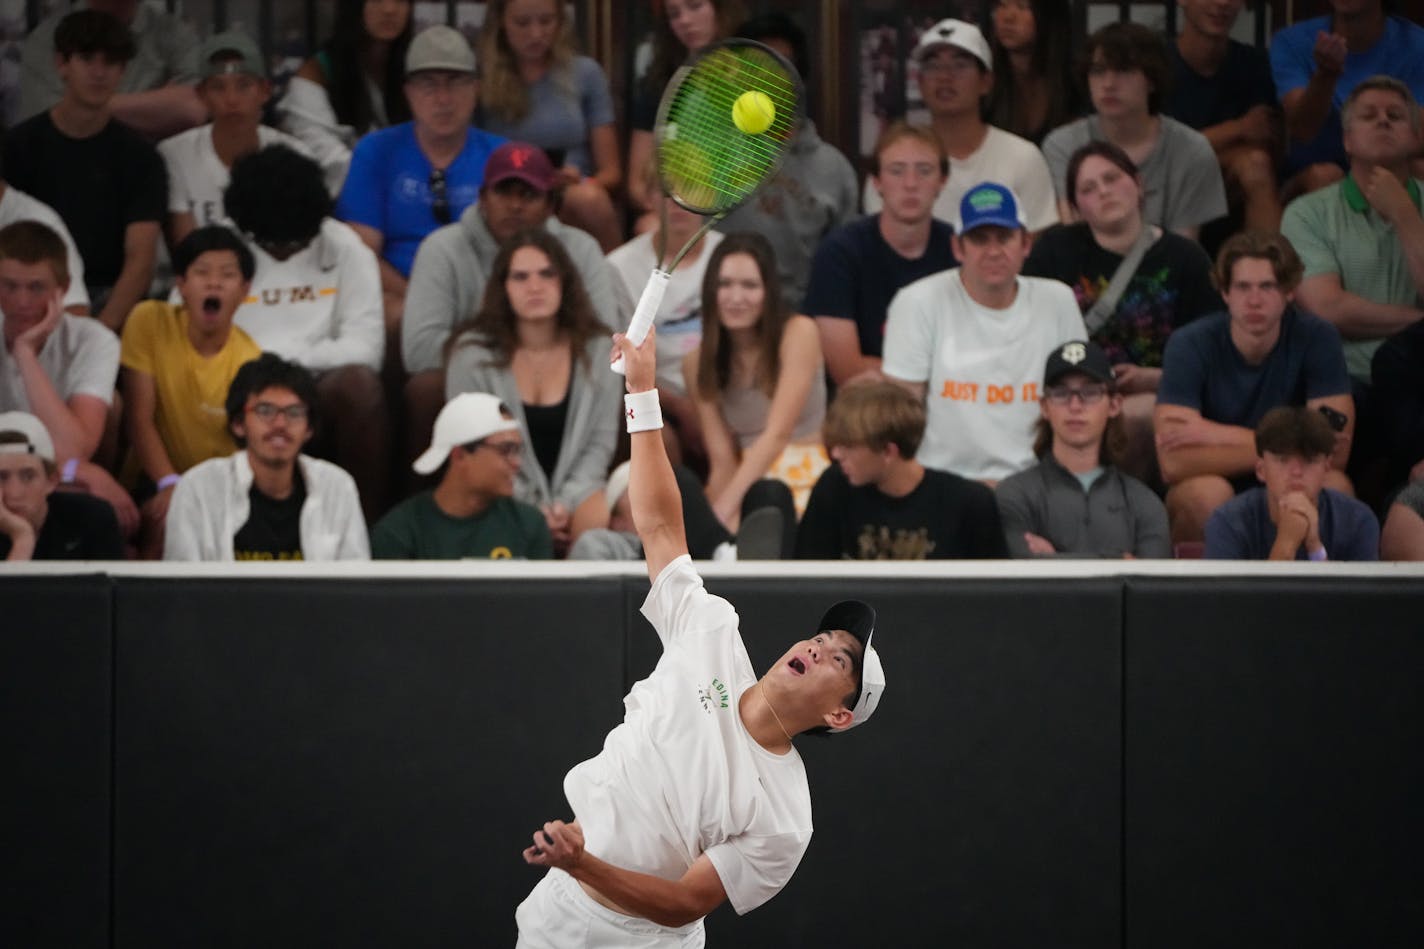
(643, 412)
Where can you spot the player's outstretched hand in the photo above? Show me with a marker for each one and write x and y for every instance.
(640, 361)
(557, 845)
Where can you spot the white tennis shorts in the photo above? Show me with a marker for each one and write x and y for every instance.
(558, 914)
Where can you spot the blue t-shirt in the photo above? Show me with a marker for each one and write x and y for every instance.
(1242, 81)
(1399, 53)
(1241, 529)
(1203, 370)
(563, 107)
(855, 274)
(388, 187)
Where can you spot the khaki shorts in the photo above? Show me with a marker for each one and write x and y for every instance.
(558, 914)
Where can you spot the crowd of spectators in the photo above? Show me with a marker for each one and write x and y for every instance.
(1136, 297)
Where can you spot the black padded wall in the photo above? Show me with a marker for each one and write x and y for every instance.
(352, 764)
(1275, 781)
(55, 727)
(1106, 762)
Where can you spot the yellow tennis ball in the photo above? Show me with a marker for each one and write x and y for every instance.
(753, 112)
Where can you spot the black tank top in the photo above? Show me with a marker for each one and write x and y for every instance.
(546, 431)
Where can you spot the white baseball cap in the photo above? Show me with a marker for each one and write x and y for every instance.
(956, 33)
(858, 619)
(468, 417)
(37, 441)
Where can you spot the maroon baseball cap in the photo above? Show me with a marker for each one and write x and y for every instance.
(520, 160)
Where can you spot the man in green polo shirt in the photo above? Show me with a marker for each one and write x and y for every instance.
(1362, 240)
(1362, 244)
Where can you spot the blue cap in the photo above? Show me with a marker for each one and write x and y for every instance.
(989, 203)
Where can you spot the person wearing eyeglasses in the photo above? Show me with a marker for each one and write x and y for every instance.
(956, 75)
(1076, 502)
(316, 300)
(406, 180)
(268, 500)
(471, 514)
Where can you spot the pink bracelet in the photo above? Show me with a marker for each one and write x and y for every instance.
(68, 471)
(168, 481)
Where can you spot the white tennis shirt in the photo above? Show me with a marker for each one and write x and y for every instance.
(681, 776)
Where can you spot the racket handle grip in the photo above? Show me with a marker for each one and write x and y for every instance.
(648, 305)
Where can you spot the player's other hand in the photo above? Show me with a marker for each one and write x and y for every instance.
(557, 844)
(640, 362)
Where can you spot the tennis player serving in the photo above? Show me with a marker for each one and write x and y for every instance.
(699, 795)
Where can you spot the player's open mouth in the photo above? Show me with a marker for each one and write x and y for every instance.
(797, 666)
(212, 306)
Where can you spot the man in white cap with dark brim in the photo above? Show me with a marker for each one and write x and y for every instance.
(955, 74)
(972, 342)
(699, 795)
(471, 513)
(35, 522)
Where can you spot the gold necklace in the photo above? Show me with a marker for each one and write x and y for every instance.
(762, 684)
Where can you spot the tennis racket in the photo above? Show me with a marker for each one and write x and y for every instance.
(723, 127)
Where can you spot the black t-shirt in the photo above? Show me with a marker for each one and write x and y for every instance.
(99, 185)
(1172, 286)
(945, 518)
(1242, 82)
(273, 530)
(78, 527)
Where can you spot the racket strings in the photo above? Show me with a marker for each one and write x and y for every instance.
(708, 165)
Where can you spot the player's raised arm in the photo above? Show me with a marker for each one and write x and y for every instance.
(652, 487)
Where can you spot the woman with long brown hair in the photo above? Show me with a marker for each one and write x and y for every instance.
(537, 344)
(757, 378)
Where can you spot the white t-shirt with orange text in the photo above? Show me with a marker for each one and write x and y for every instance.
(984, 368)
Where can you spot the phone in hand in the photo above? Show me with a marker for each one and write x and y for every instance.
(1337, 419)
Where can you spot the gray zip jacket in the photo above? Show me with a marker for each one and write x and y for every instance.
(1117, 515)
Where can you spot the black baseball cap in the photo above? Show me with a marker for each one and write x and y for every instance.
(1078, 356)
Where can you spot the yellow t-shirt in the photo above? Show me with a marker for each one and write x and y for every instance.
(192, 389)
